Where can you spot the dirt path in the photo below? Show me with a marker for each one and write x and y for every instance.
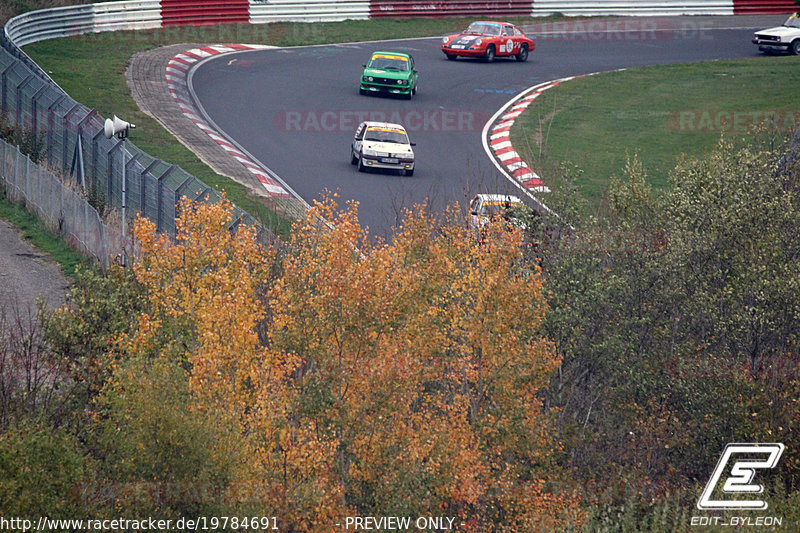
(26, 273)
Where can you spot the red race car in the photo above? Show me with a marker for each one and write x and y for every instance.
(487, 40)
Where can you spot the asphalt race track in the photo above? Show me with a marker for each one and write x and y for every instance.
(295, 110)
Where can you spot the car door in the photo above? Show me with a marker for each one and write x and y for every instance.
(508, 45)
(474, 212)
(414, 75)
(358, 139)
(520, 38)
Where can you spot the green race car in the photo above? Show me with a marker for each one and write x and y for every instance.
(391, 73)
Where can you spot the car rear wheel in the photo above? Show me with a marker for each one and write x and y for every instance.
(451, 57)
(489, 56)
(522, 55)
(796, 47)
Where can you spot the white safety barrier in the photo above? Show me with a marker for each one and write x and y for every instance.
(633, 7)
(58, 22)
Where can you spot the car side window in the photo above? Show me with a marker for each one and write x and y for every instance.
(517, 32)
(507, 30)
(360, 132)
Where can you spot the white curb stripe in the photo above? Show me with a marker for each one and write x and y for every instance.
(176, 71)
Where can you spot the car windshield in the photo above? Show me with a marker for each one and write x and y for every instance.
(483, 28)
(793, 22)
(386, 135)
(507, 209)
(388, 62)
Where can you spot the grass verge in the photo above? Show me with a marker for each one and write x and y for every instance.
(658, 113)
(34, 231)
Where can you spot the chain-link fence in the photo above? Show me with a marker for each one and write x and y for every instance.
(60, 208)
(71, 137)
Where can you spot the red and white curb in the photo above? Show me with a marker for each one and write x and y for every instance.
(176, 74)
(497, 138)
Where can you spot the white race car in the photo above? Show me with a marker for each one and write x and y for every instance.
(781, 38)
(484, 207)
(382, 145)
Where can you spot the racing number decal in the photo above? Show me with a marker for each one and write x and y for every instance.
(510, 45)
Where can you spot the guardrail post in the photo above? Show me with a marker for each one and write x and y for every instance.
(21, 86)
(143, 186)
(160, 208)
(234, 225)
(35, 111)
(128, 164)
(4, 77)
(110, 171)
(81, 125)
(51, 126)
(178, 193)
(65, 133)
(95, 155)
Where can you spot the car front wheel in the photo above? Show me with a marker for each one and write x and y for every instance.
(522, 55)
(361, 167)
(796, 47)
(451, 57)
(489, 56)
(409, 172)
(353, 158)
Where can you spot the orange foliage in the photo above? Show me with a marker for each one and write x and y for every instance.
(206, 282)
(420, 362)
(399, 378)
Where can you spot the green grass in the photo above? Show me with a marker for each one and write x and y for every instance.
(34, 231)
(657, 113)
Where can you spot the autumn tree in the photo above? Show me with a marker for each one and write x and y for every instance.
(412, 372)
(175, 408)
(396, 378)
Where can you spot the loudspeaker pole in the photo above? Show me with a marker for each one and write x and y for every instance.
(124, 194)
(120, 128)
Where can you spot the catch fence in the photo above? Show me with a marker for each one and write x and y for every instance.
(71, 138)
(59, 206)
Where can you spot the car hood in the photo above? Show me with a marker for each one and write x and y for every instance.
(391, 74)
(399, 150)
(780, 30)
(467, 39)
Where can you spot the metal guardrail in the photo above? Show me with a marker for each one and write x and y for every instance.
(633, 7)
(262, 11)
(58, 22)
(451, 8)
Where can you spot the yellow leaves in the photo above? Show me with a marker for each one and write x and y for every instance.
(391, 369)
(418, 357)
(204, 284)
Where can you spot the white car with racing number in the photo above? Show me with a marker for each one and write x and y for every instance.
(382, 145)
